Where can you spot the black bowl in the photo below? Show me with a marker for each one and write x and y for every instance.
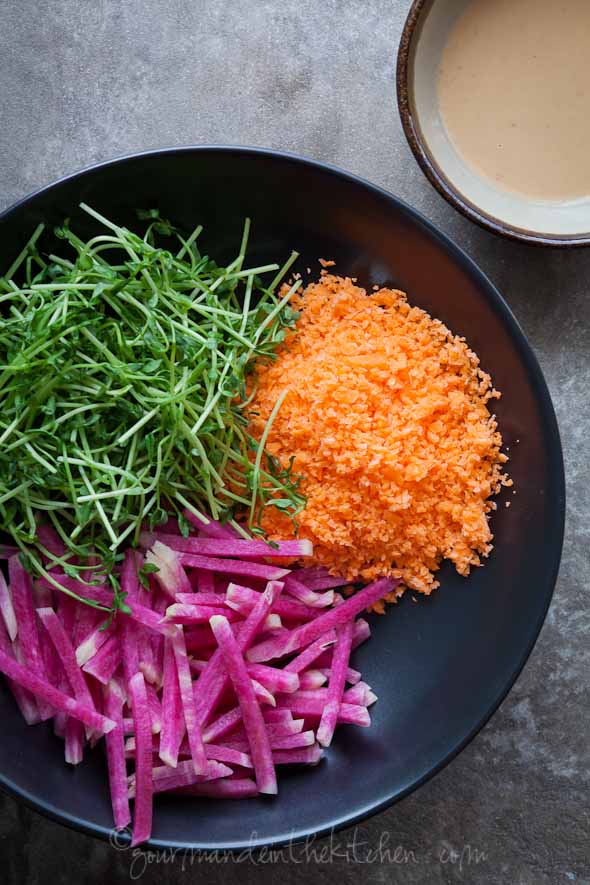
(440, 667)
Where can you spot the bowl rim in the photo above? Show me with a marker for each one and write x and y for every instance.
(427, 161)
(121, 839)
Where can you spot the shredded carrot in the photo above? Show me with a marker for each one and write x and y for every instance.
(387, 417)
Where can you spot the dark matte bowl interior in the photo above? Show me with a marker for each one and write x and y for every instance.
(440, 667)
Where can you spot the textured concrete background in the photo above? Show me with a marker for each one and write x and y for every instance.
(84, 81)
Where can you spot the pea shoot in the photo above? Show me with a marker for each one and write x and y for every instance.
(123, 370)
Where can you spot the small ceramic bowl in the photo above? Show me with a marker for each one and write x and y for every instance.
(548, 223)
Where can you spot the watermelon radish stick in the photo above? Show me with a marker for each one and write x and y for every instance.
(143, 781)
(113, 705)
(224, 724)
(49, 538)
(251, 714)
(273, 730)
(319, 578)
(43, 598)
(7, 550)
(199, 639)
(67, 655)
(361, 633)
(213, 680)
(357, 694)
(240, 549)
(155, 708)
(302, 661)
(240, 788)
(302, 636)
(104, 663)
(278, 717)
(335, 692)
(74, 741)
(128, 629)
(189, 707)
(304, 756)
(7, 609)
(233, 566)
(304, 594)
(210, 527)
(146, 652)
(200, 598)
(200, 614)
(273, 679)
(87, 623)
(181, 613)
(243, 599)
(205, 581)
(311, 679)
(230, 720)
(352, 676)
(172, 715)
(171, 576)
(263, 696)
(52, 696)
(93, 643)
(228, 755)
(277, 741)
(27, 643)
(349, 714)
(165, 778)
(24, 700)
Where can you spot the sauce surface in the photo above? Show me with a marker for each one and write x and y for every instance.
(514, 92)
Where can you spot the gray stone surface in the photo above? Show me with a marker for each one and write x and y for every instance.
(84, 81)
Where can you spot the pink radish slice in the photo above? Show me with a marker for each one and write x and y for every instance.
(302, 661)
(205, 581)
(172, 714)
(309, 597)
(67, 656)
(311, 679)
(243, 599)
(93, 643)
(305, 634)
(143, 810)
(200, 598)
(189, 707)
(28, 648)
(352, 676)
(52, 696)
(74, 741)
(154, 707)
(304, 756)
(335, 692)
(104, 663)
(234, 566)
(24, 700)
(115, 748)
(43, 598)
(210, 527)
(251, 714)
(239, 549)
(183, 775)
(240, 788)
(7, 609)
(180, 613)
(349, 714)
(171, 575)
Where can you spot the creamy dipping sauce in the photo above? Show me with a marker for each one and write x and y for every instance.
(514, 92)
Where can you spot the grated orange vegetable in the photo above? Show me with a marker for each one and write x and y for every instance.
(387, 417)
